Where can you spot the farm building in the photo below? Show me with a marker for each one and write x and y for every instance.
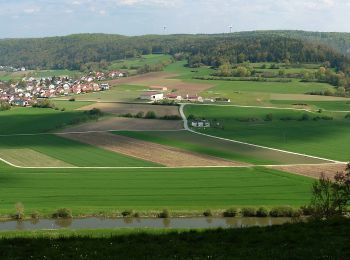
(105, 86)
(153, 96)
(194, 98)
(174, 97)
(200, 123)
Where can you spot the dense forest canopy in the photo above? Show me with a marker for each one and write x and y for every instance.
(72, 52)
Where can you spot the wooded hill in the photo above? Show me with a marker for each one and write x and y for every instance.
(72, 52)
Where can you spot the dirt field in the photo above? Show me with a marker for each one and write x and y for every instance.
(30, 158)
(122, 109)
(313, 171)
(168, 156)
(164, 79)
(121, 124)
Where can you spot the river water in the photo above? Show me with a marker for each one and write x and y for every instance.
(109, 223)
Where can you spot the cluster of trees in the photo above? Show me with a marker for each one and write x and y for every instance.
(4, 106)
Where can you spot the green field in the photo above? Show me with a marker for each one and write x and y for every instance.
(93, 190)
(324, 138)
(219, 148)
(326, 105)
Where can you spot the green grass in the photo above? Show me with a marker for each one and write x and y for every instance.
(93, 190)
(289, 241)
(70, 105)
(329, 139)
(223, 149)
(326, 105)
(72, 152)
(57, 73)
(132, 64)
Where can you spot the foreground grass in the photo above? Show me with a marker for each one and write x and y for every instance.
(324, 138)
(95, 191)
(290, 241)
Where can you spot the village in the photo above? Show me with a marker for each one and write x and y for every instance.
(26, 91)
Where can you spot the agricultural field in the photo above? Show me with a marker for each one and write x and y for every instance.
(280, 128)
(220, 148)
(89, 191)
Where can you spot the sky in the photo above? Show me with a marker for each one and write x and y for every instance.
(38, 18)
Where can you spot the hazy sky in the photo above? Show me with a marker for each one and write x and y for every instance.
(35, 18)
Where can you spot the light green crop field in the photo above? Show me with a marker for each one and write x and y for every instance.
(94, 190)
(220, 148)
(324, 138)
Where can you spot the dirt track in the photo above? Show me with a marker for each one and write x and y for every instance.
(164, 155)
(122, 108)
(314, 171)
(121, 124)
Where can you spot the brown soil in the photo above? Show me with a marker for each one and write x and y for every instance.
(164, 155)
(122, 108)
(313, 171)
(166, 80)
(121, 124)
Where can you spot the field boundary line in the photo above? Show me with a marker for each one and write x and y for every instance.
(182, 113)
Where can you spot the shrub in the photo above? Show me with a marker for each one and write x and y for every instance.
(63, 109)
(164, 214)
(129, 115)
(307, 210)
(35, 215)
(62, 213)
(127, 213)
(94, 112)
(262, 212)
(4, 106)
(191, 117)
(72, 99)
(139, 114)
(44, 103)
(136, 215)
(208, 213)
(229, 213)
(171, 117)
(248, 212)
(19, 211)
(347, 116)
(150, 115)
(284, 211)
(268, 117)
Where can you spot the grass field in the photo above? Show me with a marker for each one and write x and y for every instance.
(93, 190)
(326, 105)
(224, 149)
(290, 241)
(323, 138)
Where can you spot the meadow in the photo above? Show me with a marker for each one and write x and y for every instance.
(99, 191)
(285, 130)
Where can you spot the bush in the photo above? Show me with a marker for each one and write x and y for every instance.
(72, 99)
(268, 117)
(307, 210)
(44, 103)
(229, 213)
(127, 213)
(19, 211)
(171, 117)
(262, 212)
(62, 213)
(191, 117)
(35, 215)
(347, 116)
(94, 112)
(63, 109)
(150, 115)
(208, 213)
(164, 214)
(305, 117)
(248, 212)
(4, 106)
(284, 211)
(129, 115)
(139, 114)
(136, 215)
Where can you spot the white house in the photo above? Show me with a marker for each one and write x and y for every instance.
(153, 96)
(200, 123)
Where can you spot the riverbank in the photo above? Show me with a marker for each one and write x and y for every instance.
(289, 241)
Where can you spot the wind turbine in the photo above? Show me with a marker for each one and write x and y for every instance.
(230, 28)
(165, 28)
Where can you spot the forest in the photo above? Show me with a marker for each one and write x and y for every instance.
(75, 51)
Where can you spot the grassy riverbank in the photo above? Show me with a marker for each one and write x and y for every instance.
(290, 241)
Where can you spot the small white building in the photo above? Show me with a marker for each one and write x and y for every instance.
(200, 123)
(153, 96)
(104, 86)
